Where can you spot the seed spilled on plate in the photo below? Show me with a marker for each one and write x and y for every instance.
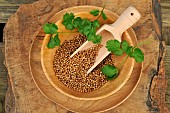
(72, 71)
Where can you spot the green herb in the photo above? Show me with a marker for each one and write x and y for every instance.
(54, 41)
(124, 45)
(114, 46)
(138, 55)
(95, 12)
(103, 15)
(68, 21)
(50, 28)
(110, 71)
(118, 49)
(84, 26)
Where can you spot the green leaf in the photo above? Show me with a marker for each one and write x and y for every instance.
(50, 28)
(68, 17)
(68, 21)
(51, 44)
(118, 52)
(77, 21)
(95, 12)
(138, 55)
(124, 45)
(97, 39)
(111, 45)
(57, 40)
(69, 26)
(54, 41)
(110, 71)
(103, 15)
(90, 37)
(129, 51)
(114, 46)
(96, 23)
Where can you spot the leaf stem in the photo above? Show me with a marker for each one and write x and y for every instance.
(100, 13)
(123, 62)
(68, 32)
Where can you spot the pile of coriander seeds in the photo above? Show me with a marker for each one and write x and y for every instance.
(72, 71)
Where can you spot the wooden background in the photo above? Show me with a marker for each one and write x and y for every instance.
(7, 8)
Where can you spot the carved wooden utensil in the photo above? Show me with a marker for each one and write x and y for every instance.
(110, 32)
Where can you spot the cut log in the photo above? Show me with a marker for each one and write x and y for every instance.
(25, 25)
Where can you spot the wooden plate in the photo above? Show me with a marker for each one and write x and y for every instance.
(75, 104)
(47, 56)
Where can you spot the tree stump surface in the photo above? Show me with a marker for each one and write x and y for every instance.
(22, 28)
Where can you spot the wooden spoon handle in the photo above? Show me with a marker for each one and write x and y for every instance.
(126, 20)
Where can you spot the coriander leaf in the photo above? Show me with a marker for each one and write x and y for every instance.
(69, 26)
(111, 45)
(86, 32)
(77, 21)
(129, 51)
(138, 55)
(103, 15)
(96, 23)
(86, 22)
(90, 37)
(50, 28)
(84, 26)
(68, 21)
(124, 45)
(87, 28)
(97, 39)
(51, 44)
(110, 71)
(94, 12)
(118, 52)
(114, 46)
(54, 41)
(57, 40)
(68, 17)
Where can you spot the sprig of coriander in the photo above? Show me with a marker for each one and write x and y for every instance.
(98, 13)
(110, 71)
(51, 28)
(118, 49)
(84, 26)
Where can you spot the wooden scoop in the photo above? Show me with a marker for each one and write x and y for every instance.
(110, 32)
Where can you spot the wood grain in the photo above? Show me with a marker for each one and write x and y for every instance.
(3, 80)
(9, 7)
(167, 72)
(165, 8)
(22, 28)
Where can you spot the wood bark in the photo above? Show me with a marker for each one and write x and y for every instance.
(3, 79)
(23, 27)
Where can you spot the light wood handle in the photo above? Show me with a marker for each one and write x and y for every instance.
(126, 19)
